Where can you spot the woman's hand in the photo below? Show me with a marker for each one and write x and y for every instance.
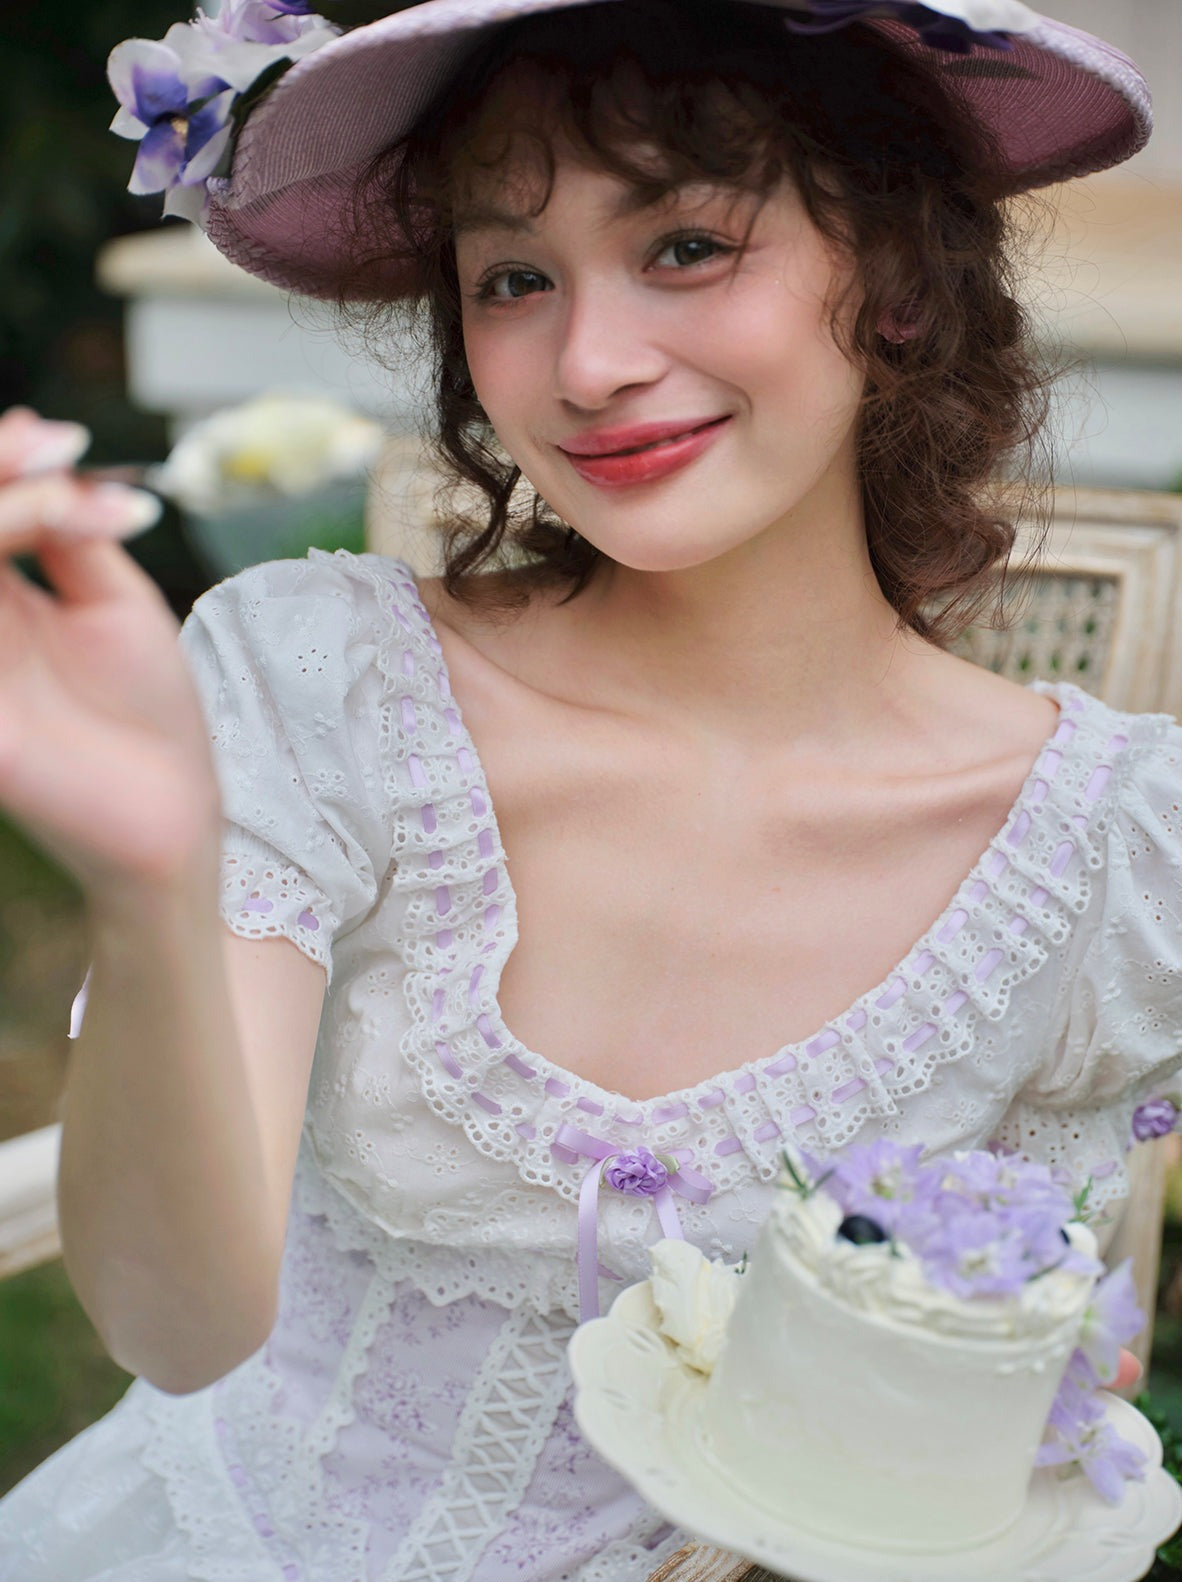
(104, 753)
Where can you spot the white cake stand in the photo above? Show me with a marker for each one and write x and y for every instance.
(639, 1405)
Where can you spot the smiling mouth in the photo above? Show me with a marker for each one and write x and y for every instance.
(646, 460)
(668, 439)
(661, 443)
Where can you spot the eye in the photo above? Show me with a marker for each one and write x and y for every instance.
(683, 252)
(508, 285)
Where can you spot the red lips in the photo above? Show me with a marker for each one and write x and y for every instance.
(641, 453)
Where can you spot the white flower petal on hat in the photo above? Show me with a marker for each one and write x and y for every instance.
(140, 64)
(987, 16)
(127, 125)
(187, 203)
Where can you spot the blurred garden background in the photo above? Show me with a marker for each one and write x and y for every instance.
(140, 332)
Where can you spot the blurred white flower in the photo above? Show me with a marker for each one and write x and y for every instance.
(695, 1298)
(274, 445)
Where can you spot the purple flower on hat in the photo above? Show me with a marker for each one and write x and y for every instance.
(178, 108)
(287, 23)
(1155, 1118)
(954, 26)
(638, 1174)
(177, 95)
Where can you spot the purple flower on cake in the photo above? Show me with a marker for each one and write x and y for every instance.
(1112, 1317)
(882, 1181)
(1155, 1118)
(1092, 1444)
(638, 1174)
(996, 1182)
(985, 1226)
(983, 1254)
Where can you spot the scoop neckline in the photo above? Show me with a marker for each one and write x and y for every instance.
(1064, 694)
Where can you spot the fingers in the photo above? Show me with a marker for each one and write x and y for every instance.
(31, 444)
(87, 570)
(40, 496)
(56, 503)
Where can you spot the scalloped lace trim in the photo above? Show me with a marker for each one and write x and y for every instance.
(263, 899)
(441, 1274)
(946, 1003)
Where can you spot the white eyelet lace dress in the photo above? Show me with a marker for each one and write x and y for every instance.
(409, 1418)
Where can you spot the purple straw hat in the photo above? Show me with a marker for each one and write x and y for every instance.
(1059, 103)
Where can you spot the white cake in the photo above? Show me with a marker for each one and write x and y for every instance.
(857, 1400)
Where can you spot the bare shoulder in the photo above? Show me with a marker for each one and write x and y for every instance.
(986, 717)
(497, 627)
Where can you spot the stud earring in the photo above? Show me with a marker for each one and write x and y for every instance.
(900, 324)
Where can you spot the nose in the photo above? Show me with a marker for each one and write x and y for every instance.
(605, 347)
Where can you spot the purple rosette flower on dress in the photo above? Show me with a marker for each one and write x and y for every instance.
(178, 95)
(637, 1174)
(1155, 1118)
(954, 26)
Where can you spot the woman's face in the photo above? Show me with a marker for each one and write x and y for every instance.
(664, 376)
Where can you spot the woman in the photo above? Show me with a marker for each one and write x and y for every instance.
(728, 286)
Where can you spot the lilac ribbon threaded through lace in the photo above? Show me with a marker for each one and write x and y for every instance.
(635, 1172)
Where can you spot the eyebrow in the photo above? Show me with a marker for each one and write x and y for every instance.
(489, 217)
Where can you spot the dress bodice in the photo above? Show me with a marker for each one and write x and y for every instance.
(409, 1419)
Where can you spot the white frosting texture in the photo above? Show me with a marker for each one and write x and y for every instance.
(856, 1400)
(889, 1281)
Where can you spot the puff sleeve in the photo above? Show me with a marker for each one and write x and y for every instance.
(1121, 1041)
(283, 659)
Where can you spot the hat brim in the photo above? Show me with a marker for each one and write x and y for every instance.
(1060, 103)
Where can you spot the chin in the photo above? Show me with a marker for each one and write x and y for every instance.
(644, 554)
(680, 537)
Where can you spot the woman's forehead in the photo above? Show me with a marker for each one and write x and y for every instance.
(516, 201)
(503, 170)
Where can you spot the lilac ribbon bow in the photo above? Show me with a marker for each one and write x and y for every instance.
(636, 1172)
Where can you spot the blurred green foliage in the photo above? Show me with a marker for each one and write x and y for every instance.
(63, 194)
(58, 1378)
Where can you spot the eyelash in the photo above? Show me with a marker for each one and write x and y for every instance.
(484, 288)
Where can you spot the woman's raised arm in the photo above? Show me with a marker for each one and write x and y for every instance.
(186, 1090)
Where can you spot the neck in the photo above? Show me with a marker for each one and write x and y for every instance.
(789, 631)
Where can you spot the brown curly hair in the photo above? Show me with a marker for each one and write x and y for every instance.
(892, 169)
